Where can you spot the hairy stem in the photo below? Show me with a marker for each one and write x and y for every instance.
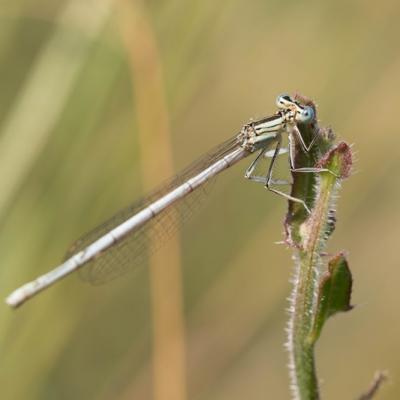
(302, 363)
(308, 235)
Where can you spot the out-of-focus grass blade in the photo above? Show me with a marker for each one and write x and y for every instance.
(48, 86)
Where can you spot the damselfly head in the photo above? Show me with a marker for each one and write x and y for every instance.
(301, 113)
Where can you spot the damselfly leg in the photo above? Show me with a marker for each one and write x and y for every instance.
(296, 132)
(268, 180)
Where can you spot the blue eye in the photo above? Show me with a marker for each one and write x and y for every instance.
(307, 115)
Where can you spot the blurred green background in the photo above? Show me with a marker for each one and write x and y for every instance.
(93, 93)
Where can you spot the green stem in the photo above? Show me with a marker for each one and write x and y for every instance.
(302, 363)
(313, 235)
(308, 235)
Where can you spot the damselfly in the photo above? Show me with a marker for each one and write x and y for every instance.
(120, 240)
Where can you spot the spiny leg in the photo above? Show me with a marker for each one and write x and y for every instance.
(258, 178)
(252, 166)
(268, 180)
(306, 149)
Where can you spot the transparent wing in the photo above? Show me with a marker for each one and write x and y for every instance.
(133, 249)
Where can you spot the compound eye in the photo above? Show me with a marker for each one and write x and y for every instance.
(283, 101)
(307, 115)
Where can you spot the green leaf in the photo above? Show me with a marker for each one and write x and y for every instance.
(338, 160)
(334, 293)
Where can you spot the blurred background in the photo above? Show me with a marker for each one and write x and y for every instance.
(102, 100)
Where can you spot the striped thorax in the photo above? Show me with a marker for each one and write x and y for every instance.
(256, 134)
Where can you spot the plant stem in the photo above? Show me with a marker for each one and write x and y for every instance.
(302, 363)
(308, 235)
